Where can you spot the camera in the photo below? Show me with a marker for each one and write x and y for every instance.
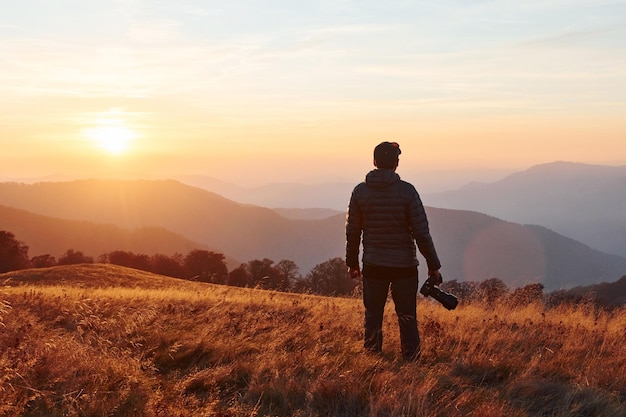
(431, 289)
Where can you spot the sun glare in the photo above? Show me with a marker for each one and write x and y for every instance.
(111, 136)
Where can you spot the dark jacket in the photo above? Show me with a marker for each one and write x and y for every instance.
(388, 214)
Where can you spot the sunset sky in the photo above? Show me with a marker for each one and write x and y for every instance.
(263, 91)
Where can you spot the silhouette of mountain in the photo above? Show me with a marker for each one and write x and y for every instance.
(584, 202)
(330, 194)
(291, 195)
(307, 214)
(53, 236)
(472, 246)
(242, 231)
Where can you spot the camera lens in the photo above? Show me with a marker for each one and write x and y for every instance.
(449, 301)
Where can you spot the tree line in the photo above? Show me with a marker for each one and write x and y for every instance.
(327, 278)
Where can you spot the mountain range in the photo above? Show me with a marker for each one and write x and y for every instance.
(54, 236)
(241, 231)
(472, 246)
(288, 195)
(581, 201)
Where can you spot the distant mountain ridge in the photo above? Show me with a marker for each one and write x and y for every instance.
(584, 202)
(54, 236)
(307, 214)
(241, 231)
(277, 195)
(472, 246)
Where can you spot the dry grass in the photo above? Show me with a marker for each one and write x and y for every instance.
(101, 340)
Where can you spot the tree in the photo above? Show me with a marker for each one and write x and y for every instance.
(263, 274)
(239, 277)
(527, 295)
(129, 259)
(466, 290)
(13, 254)
(259, 269)
(43, 261)
(330, 278)
(169, 266)
(289, 274)
(205, 266)
(492, 290)
(73, 257)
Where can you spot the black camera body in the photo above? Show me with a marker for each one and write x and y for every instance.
(430, 289)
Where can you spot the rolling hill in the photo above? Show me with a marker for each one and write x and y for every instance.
(242, 231)
(333, 195)
(53, 236)
(472, 246)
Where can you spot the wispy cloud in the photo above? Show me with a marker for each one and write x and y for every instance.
(576, 38)
(481, 52)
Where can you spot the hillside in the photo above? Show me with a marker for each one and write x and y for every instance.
(53, 236)
(308, 213)
(583, 202)
(290, 195)
(107, 340)
(242, 231)
(94, 276)
(472, 246)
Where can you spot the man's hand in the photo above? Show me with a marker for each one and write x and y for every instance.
(354, 272)
(436, 276)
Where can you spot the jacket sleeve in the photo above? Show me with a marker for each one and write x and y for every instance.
(421, 232)
(354, 228)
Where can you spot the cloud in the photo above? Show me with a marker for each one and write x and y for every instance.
(577, 38)
(480, 52)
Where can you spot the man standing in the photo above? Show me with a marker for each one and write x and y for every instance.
(387, 213)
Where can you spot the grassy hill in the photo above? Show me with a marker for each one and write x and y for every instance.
(107, 340)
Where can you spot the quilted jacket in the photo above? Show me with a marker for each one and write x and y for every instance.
(388, 215)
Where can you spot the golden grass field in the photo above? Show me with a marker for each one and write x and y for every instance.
(103, 340)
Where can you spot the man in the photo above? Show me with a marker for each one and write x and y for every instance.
(389, 216)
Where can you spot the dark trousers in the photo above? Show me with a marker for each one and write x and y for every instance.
(403, 282)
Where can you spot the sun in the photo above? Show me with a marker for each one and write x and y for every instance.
(111, 136)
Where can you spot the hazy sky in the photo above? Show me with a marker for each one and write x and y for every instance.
(292, 90)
